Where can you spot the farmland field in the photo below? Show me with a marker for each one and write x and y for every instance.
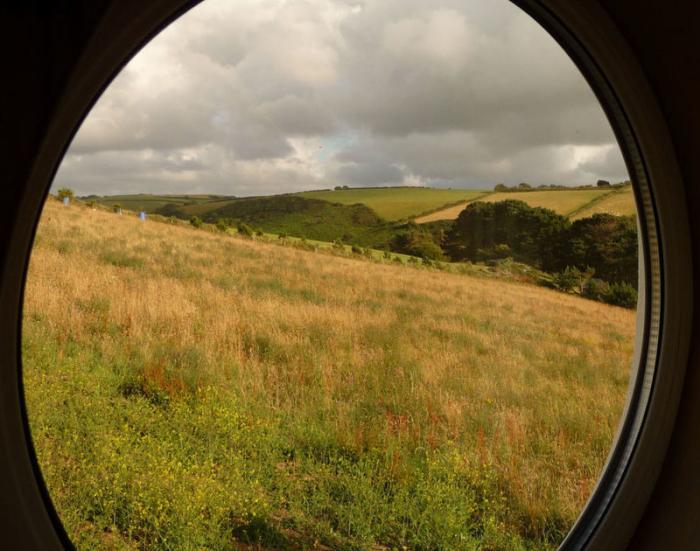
(190, 390)
(619, 203)
(564, 202)
(396, 203)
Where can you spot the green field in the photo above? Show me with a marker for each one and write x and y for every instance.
(150, 203)
(397, 203)
(188, 389)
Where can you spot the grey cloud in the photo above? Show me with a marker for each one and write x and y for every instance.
(369, 174)
(240, 97)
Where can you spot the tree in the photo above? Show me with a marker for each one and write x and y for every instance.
(196, 221)
(485, 231)
(501, 187)
(418, 242)
(605, 242)
(603, 183)
(524, 186)
(65, 192)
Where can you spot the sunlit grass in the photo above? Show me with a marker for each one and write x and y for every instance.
(191, 390)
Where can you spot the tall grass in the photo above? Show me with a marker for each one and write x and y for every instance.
(190, 390)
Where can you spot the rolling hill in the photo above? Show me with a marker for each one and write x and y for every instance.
(296, 216)
(396, 203)
(150, 203)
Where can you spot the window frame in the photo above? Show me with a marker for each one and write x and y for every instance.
(591, 39)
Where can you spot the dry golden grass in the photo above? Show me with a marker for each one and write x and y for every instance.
(528, 381)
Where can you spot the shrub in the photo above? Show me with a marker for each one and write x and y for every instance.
(196, 221)
(282, 236)
(116, 207)
(417, 242)
(65, 192)
(222, 224)
(595, 289)
(568, 280)
(244, 229)
(356, 250)
(622, 294)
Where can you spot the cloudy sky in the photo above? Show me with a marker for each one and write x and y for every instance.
(251, 97)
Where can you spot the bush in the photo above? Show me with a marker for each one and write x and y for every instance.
(622, 294)
(417, 242)
(222, 225)
(356, 250)
(595, 289)
(196, 221)
(244, 229)
(572, 279)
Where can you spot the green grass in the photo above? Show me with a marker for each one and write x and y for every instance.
(150, 203)
(397, 203)
(303, 217)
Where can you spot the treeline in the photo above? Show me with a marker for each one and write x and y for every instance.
(524, 186)
(595, 256)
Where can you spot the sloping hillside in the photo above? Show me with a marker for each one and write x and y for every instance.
(397, 203)
(299, 216)
(189, 389)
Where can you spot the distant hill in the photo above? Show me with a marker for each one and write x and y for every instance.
(296, 216)
(150, 203)
(397, 203)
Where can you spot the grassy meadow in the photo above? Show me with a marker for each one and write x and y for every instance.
(397, 203)
(195, 390)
